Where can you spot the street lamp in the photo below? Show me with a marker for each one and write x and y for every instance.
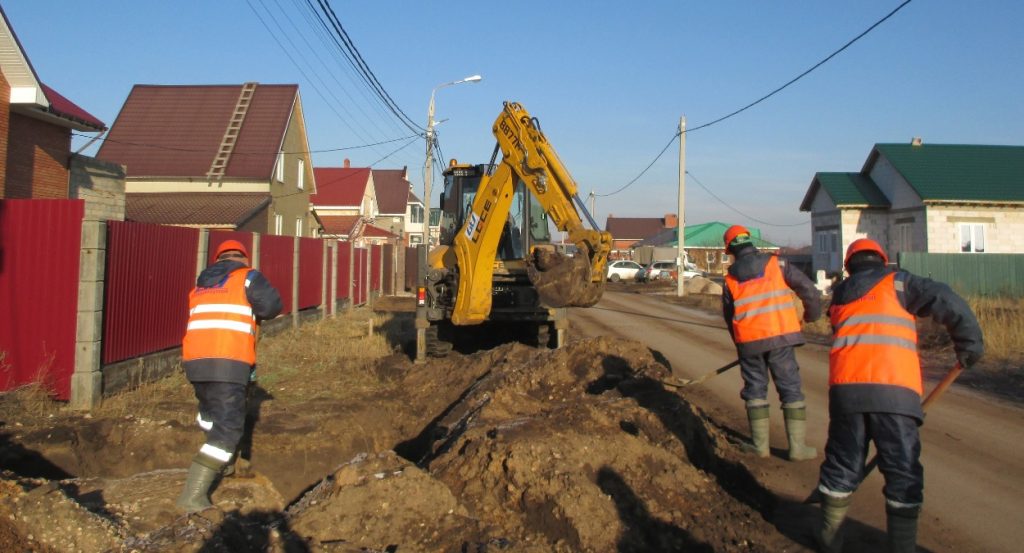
(430, 147)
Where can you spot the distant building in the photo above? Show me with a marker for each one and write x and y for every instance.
(230, 157)
(938, 198)
(627, 231)
(35, 127)
(704, 247)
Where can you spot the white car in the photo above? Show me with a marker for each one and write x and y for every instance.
(623, 269)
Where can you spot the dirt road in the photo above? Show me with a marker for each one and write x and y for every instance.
(973, 445)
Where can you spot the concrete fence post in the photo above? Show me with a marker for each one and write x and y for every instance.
(323, 279)
(351, 276)
(255, 251)
(202, 250)
(295, 282)
(334, 278)
(87, 380)
(369, 276)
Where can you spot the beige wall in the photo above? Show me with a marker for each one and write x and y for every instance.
(1003, 228)
(101, 185)
(291, 202)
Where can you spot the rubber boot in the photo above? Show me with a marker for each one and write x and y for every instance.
(902, 525)
(796, 431)
(195, 495)
(833, 511)
(757, 415)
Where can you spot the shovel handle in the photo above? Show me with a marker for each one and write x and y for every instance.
(934, 395)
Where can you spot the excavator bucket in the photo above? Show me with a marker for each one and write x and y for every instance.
(562, 280)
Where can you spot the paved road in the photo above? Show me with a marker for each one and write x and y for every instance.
(973, 445)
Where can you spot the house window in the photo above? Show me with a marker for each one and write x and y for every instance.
(280, 167)
(278, 224)
(972, 238)
(298, 226)
(415, 239)
(416, 214)
(299, 180)
(711, 257)
(828, 241)
(903, 237)
(725, 258)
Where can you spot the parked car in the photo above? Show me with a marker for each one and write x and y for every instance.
(666, 270)
(623, 270)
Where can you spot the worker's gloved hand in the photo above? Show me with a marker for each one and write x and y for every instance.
(967, 359)
(811, 316)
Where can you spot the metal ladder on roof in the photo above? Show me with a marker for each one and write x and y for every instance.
(227, 143)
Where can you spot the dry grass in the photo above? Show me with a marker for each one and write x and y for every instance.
(302, 362)
(1002, 322)
(295, 364)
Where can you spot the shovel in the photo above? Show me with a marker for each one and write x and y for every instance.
(684, 382)
(934, 395)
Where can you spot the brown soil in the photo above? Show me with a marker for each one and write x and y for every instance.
(512, 449)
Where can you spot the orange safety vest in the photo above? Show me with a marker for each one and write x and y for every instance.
(221, 324)
(763, 306)
(875, 340)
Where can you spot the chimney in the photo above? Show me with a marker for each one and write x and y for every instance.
(916, 141)
(671, 221)
(347, 163)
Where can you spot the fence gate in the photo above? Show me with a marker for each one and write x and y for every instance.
(40, 246)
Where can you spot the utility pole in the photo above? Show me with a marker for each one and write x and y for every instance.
(680, 232)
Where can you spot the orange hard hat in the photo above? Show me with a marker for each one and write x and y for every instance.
(230, 245)
(732, 232)
(864, 245)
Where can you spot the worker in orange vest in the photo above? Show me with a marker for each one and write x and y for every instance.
(758, 307)
(875, 387)
(219, 357)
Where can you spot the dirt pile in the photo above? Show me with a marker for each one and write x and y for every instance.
(512, 449)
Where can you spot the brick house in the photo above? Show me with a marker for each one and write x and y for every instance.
(397, 210)
(215, 156)
(627, 231)
(346, 204)
(35, 127)
(704, 247)
(936, 198)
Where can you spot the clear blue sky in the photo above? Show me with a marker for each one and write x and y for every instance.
(608, 81)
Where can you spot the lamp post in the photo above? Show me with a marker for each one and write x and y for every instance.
(430, 147)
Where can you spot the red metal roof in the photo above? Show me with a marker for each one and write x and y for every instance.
(175, 131)
(62, 107)
(340, 186)
(371, 231)
(222, 209)
(392, 190)
(634, 228)
(339, 225)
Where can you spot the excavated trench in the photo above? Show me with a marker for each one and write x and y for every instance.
(511, 449)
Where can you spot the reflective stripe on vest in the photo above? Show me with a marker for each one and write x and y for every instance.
(221, 324)
(764, 306)
(875, 340)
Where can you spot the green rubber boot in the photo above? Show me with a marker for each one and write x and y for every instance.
(195, 496)
(796, 430)
(833, 511)
(902, 526)
(757, 415)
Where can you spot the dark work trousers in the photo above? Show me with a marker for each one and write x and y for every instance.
(221, 404)
(899, 451)
(785, 373)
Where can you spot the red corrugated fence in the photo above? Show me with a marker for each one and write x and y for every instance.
(311, 258)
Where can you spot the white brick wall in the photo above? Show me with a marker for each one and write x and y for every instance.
(1004, 228)
(101, 185)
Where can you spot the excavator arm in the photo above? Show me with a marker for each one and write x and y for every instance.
(560, 280)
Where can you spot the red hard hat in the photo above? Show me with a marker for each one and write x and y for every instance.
(732, 232)
(864, 245)
(229, 245)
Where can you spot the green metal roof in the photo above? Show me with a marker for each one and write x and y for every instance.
(851, 189)
(954, 172)
(704, 235)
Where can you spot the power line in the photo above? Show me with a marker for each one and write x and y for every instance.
(755, 219)
(762, 98)
(364, 68)
(241, 153)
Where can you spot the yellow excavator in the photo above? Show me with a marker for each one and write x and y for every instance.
(495, 262)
